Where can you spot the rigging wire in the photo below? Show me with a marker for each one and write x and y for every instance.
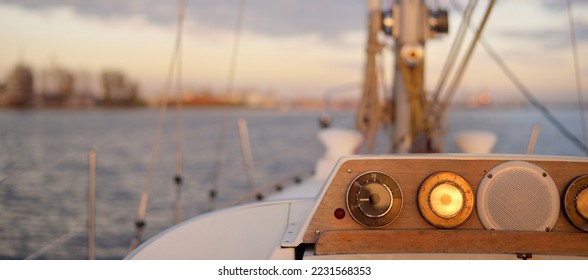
(461, 69)
(454, 51)
(530, 97)
(140, 222)
(230, 87)
(577, 72)
(288, 153)
(56, 242)
(178, 177)
(45, 166)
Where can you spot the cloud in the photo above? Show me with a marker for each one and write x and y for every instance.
(561, 5)
(550, 29)
(328, 18)
(153, 9)
(549, 38)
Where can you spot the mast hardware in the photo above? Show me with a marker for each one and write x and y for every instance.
(437, 21)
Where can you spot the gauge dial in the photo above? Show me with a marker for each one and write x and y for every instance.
(576, 202)
(446, 199)
(374, 199)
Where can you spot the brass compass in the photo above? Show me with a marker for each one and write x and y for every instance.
(446, 199)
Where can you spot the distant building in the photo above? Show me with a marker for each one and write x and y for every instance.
(61, 88)
(117, 90)
(84, 88)
(18, 90)
(253, 98)
(57, 87)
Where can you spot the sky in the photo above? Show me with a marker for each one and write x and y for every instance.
(288, 47)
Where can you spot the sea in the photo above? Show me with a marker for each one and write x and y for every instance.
(44, 165)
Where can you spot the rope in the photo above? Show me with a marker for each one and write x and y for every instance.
(413, 83)
(577, 73)
(369, 111)
(387, 108)
(230, 87)
(140, 222)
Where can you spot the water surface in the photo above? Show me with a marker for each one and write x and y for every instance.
(43, 166)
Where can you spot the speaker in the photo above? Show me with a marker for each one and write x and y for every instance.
(518, 196)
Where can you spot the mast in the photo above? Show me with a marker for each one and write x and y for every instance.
(413, 24)
(410, 23)
(407, 90)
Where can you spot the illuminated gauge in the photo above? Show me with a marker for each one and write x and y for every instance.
(374, 199)
(446, 200)
(576, 202)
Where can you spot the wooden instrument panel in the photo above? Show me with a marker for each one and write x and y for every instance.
(333, 223)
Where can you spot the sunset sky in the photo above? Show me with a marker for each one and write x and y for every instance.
(289, 47)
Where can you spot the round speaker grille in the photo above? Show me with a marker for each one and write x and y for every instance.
(518, 196)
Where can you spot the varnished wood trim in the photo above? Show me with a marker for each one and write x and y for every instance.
(411, 172)
(451, 241)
